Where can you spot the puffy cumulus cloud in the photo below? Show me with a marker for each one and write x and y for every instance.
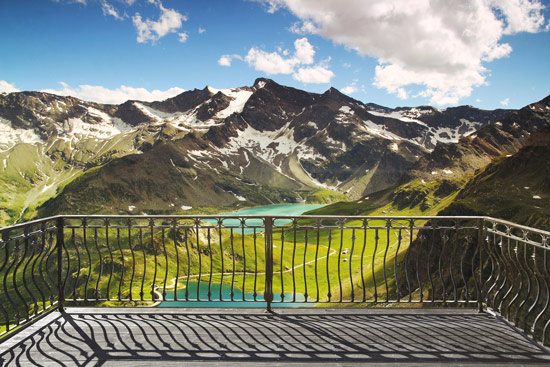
(282, 62)
(442, 46)
(110, 10)
(313, 75)
(183, 37)
(226, 60)
(170, 21)
(100, 94)
(6, 87)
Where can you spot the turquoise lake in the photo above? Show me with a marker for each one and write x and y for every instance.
(271, 210)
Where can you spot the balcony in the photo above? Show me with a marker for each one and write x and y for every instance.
(105, 290)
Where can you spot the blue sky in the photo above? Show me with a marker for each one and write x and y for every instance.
(97, 43)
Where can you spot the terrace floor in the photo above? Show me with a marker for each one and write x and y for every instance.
(236, 337)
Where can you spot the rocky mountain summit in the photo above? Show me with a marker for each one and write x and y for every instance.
(249, 145)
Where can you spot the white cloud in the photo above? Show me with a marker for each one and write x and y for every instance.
(439, 45)
(108, 9)
(183, 37)
(96, 93)
(129, 2)
(201, 30)
(281, 62)
(351, 87)
(170, 21)
(505, 102)
(226, 60)
(314, 75)
(6, 87)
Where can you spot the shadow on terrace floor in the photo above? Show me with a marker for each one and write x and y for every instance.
(120, 337)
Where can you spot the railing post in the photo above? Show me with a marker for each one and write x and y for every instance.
(60, 243)
(268, 295)
(480, 243)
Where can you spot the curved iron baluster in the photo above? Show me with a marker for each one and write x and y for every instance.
(506, 263)
(121, 278)
(293, 261)
(176, 279)
(281, 264)
(363, 285)
(208, 237)
(502, 305)
(220, 220)
(536, 274)
(4, 243)
(477, 282)
(199, 251)
(544, 277)
(429, 265)
(418, 277)
(231, 237)
(131, 245)
(85, 242)
(339, 258)
(49, 267)
(111, 258)
(399, 238)
(451, 269)
(29, 246)
(97, 292)
(304, 267)
(142, 289)
(388, 233)
(318, 230)
(244, 259)
(165, 279)
(376, 238)
(525, 270)
(64, 250)
(254, 236)
(5, 282)
(441, 274)
(40, 248)
(411, 229)
(154, 249)
(350, 267)
(19, 261)
(78, 264)
(329, 293)
(186, 240)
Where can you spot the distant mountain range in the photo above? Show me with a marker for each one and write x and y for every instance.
(253, 145)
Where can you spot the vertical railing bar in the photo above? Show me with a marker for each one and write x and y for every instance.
(220, 222)
(305, 267)
(133, 259)
(41, 247)
(293, 261)
(5, 241)
(186, 241)
(121, 278)
(440, 268)
(175, 240)
(480, 245)
(97, 294)
(350, 265)
(198, 245)
(376, 238)
(110, 258)
(340, 260)
(31, 246)
(60, 239)
(40, 262)
(231, 237)
(243, 223)
(142, 290)
(154, 249)
(268, 295)
(208, 236)
(254, 236)
(395, 265)
(318, 231)
(329, 292)
(89, 255)
(388, 233)
(363, 285)
(281, 268)
(163, 239)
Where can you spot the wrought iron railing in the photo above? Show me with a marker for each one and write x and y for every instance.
(275, 262)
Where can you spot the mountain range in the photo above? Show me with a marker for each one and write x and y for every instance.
(211, 149)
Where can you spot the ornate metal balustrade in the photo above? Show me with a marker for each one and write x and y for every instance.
(275, 262)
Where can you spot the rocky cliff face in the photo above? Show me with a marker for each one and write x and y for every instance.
(256, 144)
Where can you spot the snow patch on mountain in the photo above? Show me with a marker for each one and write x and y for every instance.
(10, 136)
(239, 98)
